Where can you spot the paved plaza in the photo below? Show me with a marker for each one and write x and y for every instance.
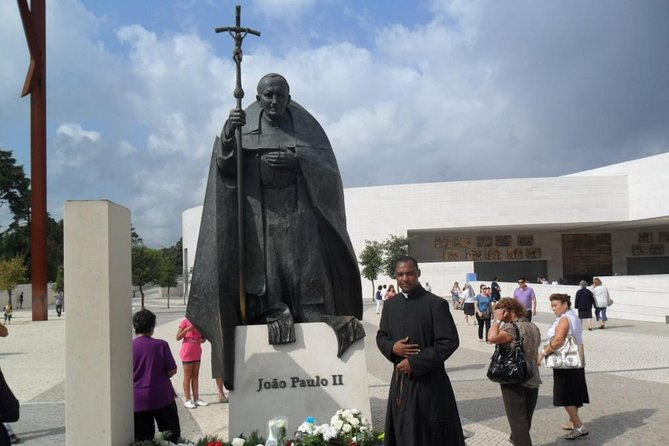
(627, 374)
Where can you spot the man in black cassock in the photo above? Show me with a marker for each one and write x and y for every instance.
(417, 334)
(299, 260)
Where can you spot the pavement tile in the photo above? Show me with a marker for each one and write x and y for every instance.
(627, 373)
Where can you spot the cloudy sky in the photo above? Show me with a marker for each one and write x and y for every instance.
(419, 91)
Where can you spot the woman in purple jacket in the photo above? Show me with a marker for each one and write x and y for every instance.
(153, 365)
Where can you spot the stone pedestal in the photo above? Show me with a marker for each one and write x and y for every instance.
(98, 331)
(298, 380)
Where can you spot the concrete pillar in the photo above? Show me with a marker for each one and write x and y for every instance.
(98, 330)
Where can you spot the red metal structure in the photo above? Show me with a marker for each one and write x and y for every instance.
(34, 25)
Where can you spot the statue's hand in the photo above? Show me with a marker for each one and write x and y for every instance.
(236, 118)
(283, 159)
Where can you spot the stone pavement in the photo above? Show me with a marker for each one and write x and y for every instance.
(627, 375)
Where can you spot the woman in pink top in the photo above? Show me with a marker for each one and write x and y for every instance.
(191, 353)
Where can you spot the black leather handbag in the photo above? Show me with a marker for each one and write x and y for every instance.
(510, 365)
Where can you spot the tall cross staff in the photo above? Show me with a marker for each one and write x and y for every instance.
(238, 33)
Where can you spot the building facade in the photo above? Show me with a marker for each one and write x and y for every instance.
(608, 221)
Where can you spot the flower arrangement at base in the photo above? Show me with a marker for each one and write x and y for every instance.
(348, 427)
(161, 439)
(208, 440)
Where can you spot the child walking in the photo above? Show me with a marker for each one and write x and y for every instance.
(8, 314)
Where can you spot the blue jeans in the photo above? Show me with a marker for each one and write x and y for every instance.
(601, 311)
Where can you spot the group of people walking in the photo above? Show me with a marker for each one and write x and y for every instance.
(382, 294)
(597, 298)
(504, 321)
(570, 389)
(153, 366)
(497, 319)
(418, 351)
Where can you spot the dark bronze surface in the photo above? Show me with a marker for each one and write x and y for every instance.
(238, 33)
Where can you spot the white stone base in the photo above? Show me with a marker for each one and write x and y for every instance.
(298, 380)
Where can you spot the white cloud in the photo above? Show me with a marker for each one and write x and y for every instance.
(480, 90)
(76, 133)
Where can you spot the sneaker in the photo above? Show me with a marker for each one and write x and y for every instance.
(199, 402)
(190, 404)
(577, 432)
(14, 439)
(222, 398)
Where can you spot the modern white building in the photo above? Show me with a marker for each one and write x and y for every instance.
(610, 221)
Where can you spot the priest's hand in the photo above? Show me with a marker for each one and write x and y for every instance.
(404, 367)
(402, 348)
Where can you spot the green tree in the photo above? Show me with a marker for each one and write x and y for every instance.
(54, 247)
(145, 267)
(371, 259)
(167, 272)
(175, 254)
(59, 284)
(12, 273)
(14, 187)
(15, 241)
(15, 238)
(394, 247)
(15, 195)
(135, 239)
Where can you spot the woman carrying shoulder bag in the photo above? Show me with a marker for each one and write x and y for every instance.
(483, 310)
(569, 387)
(519, 399)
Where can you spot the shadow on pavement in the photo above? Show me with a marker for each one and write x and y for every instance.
(34, 435)
(608, 427)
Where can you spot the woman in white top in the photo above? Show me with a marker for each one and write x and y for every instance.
(601, 295)
(469, 297)
(569, 387)
(456, 292)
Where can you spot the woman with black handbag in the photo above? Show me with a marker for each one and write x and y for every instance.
(569, 387)
(519, 399)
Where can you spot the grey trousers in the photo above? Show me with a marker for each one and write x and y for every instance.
(519, 404)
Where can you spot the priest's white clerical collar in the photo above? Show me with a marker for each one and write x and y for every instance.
(406, 295)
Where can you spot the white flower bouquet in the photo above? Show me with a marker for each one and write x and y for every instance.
(347, 427)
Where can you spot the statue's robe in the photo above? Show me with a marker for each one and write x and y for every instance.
(297, 250)
(421, 406)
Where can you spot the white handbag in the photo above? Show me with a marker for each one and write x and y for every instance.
(568, 356)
